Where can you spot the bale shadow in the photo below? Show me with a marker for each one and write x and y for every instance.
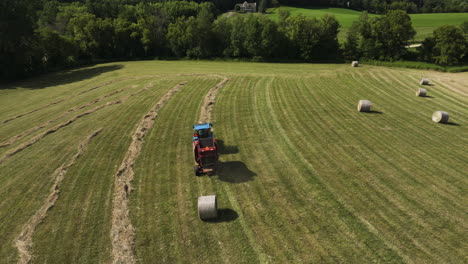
(62, 77)
(234, 172)
(452, 124)
(373, 112)
(428, 96)
(224, 215)
(226, 149)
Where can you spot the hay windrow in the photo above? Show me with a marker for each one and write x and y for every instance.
(23, 241)
(208, 104)
(66, 123)
(122, 231)
(15, 138)
(62, 100)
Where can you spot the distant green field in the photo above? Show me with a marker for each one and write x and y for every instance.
(424, 24)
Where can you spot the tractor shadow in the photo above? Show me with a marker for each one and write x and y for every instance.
(61, 77)
(234, 172)
(226, 149)
(224, 215)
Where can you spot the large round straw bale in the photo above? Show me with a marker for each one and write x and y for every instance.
(207, 207)
(421, 92)
(355, 64)
(424, 81)
(364, 106)
(440, 117)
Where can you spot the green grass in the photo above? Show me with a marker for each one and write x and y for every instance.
(424, 24)
(304, 177)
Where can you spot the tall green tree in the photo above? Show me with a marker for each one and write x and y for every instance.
(450, 45)
(304, 35)
(18, 44)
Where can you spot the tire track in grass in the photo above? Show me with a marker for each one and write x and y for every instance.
(206, 116)
(350, 159)
(232, 98)
(427, 208)
(319, 211)
(122, 231)
(381, 157)
(17, 137)
(285, 193)
(63, 100)
(354, 225)
(66, 123)
(23, 242)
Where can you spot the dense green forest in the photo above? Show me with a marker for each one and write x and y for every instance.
(39, 36)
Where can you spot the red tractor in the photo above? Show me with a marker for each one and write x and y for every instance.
(204, 149)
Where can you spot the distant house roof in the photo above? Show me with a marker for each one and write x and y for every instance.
(248, 6)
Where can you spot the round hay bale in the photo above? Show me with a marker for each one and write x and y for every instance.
(355, 64)
(421, 92)
(424, 81)
(440, 117)
(364, 106)
(207, 207)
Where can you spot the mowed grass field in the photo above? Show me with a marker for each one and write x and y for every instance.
(424, 24)
(303, 178)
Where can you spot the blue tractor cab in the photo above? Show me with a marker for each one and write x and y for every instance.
(202, 131)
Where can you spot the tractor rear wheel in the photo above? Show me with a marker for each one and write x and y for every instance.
(196, 170)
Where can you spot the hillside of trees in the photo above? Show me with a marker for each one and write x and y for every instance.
(40, 36)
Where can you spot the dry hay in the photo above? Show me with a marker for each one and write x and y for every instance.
(23, 241)
(440, 117)
(355, 64)
(66, 123)
(424, 81)
(207, 207)
(364, 106)
(15, 138)
(421, 92)
(122, 231)
(62, 100)
(208, 104)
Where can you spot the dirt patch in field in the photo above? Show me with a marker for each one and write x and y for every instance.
(62, 100)
(122, 231)
(66, 123)
(24, 240)
(208, 104)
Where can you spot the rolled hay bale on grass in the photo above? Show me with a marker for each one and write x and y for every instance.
(207, 207)
(355, 64)
(364, 106)
(440, 117)
(421, 92)
(424, 81)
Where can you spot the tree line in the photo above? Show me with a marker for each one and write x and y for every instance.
(39, 36)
